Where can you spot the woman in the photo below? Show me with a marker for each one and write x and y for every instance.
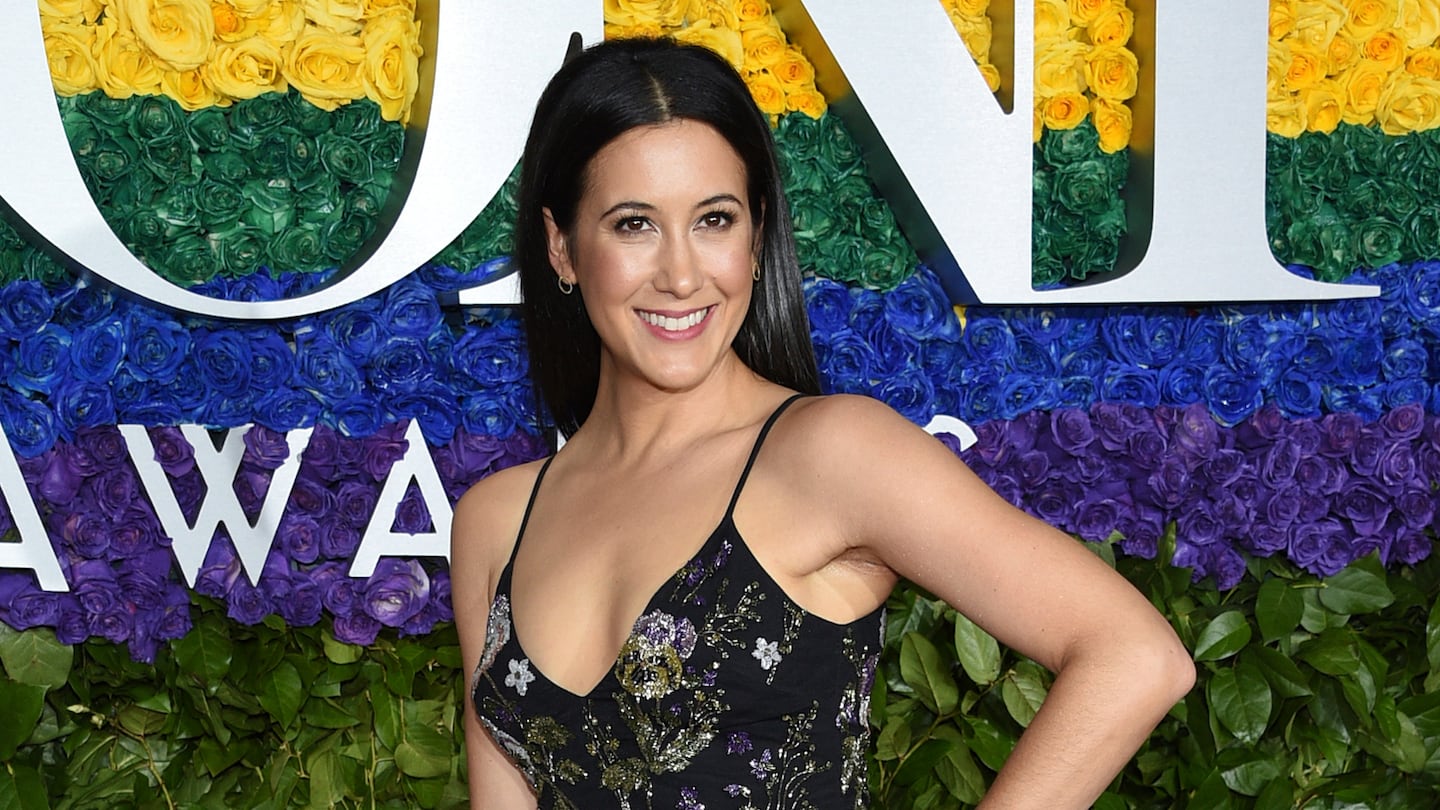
(683, 607)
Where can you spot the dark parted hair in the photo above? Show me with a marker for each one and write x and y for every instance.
(598, 95)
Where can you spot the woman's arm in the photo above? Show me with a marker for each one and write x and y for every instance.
(919, 510)
(486, 513)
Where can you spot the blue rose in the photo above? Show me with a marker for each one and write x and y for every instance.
(1404, 359)
(223, 361)
(85, 303)
(156, 347)
(910, 393)
(1232, 395)
(1349, 317)
(828, 303)
(1364, 401)
(83, 405)
(483, 414)
(1034, 358)
(1204, 336)
(1020, 394)
(988, 340)
(1357, 359)
(410, 308)
(144, 403)
(1315, 357)
(848, 363)
(919, 308)
(435, 409)
(1129, 338)
(25, 306)
(96, 351)
(979, 397)
(1297, 395)
(226, 412)
(1086, 361)
(285, 409)
(400, 366)
(1244, 344)
(356, 328)
(894, 351)
(492, 357)
(1137, 386)
(356, 416)
(1077, 392)
(1421, 292)
(324, 369)
(272, 362)
(1405, 392)
(43, 359)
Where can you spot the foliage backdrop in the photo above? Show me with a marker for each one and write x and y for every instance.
(1277, 465)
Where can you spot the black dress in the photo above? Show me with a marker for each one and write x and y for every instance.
(726, 695)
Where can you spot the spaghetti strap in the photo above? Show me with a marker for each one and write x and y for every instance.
(755, 451)
(529, 505)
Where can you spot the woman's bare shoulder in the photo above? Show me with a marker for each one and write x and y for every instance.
(488, 516)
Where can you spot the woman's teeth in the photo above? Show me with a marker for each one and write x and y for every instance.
(675, 324)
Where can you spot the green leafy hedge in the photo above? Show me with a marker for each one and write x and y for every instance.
(1311, 693)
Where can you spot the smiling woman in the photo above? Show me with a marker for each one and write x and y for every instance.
(683, 606)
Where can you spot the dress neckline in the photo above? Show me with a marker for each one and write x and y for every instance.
(726, 521)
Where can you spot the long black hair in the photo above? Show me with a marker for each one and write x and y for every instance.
(599, 94)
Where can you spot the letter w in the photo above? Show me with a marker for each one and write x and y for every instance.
(221, 505)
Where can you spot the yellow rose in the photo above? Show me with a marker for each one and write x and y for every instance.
(1114, 26)
(970, 8)
(1052, 21)
(126, 66)
(764, 46)
(991, 75)
(752, 10)
(769, 94)
(1114, 124)
(75, 11)
(1277, 61)
(246, 69)
(724, 41)
(1316, 22)
(1385, 49)
(1324, 103)
(231, 25)
(1366, 17)
(794, 70)
(691, 11)
(1362, 85)
(179, 33)
(666, 13)
(1408, 104)
(1306, 67)
(191, 90)
(809, 102)
(1424, 63)
(282, 22)
(719, 15)
(326, 67)
(392, 63)
(1064, 111)
(1282, 19)
(1112, 72)
(1419, 22)
(251, 8)
(637, 31)
(1060, 68)
(1285, 116)
(376, 8)
(70, 50)
(1084, 12)
(340, 16)
(976, 33)
(1038, 125)
(1343, 53)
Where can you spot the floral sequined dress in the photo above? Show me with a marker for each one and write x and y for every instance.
(725, 695)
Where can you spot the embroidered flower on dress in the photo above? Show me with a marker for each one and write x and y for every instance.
(651, 664)
(766, 652)
(520, 675)
(739, 743)
(761, 766)
(689, 800)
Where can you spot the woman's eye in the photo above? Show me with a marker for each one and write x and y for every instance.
(717, 219)
(631, 225)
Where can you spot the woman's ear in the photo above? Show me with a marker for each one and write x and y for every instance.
(557, 247)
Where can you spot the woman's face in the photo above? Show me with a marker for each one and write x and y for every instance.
(662, 250)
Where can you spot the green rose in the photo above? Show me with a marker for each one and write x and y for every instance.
(301, 155)
(1059, 147)
(179, 205)
(1378, 242)
(82, 133)
(320, 201)
(171, 159)
(359, 120)
(299, 248)
(156, 118)
(837, 151)
(240, 251)
(267, 157)
(38, 265)
(1398, 201)
(187, 260)
(798, 138)
(227, 166)
(304, 117)
(1085, 187)
(209, 128)
(345, 158)
(221, 204)
(1279, 152)
(272, 205)
(885, 268)
(386, 147)
(109, 113)
(111, 159)
(344, 236)
(253, 118)
(1363, 147)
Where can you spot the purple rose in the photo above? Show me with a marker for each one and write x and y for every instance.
(1411, 547)
(1416, 508)
(421, 623)
(1397, 465)
(220, 573)
(310, 496)
(1170, 484)
(246, 603)
(1096, 518)
(1224, 467)
(1281, 506)
(265, 448)
(22, 605)
(1226, 565)
(355, 502)
(1196, 432)
(99, 447)
(356, 628)
(382, 450)
(1309, 543)
(1033, 468)
(1404, 423)
(174, 453)
(412, 516)
(396, 591)
(1198, 524)
(72, 627)
(1339, 432)
(1277, 466)
(440, 596)
(1116, 423)
(1369, 447)
(60, 480)
(1320, 474)
(320, 456)
(300, 538)
(1366, 507)
(115, 491)
(250, 487)
(303, 605)
(1265, 539)
(1072, 430)
(338, 540)
(1142, 529)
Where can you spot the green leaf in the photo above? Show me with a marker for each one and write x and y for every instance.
(1432, 637)
(205, 652)
(1241, 700)
(922, 668)
(20, 708)
(957, 770)
(1224, 636)
(338, 652)
(1278, 795)
(1333, 652)
(989, 743)
(894, 738)
(1285, 678)
(979, 652)
(35, 657)
(21, 788)
(282, 693)
(1023, 691)
(1360, 588)
(1251, 774)
(1278, 608)
(387, 716)
(922, 761)
(418, 763)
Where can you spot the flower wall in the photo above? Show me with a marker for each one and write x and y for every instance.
(245, 149)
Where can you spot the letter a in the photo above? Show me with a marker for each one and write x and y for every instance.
(382, 541)
(34, 550)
